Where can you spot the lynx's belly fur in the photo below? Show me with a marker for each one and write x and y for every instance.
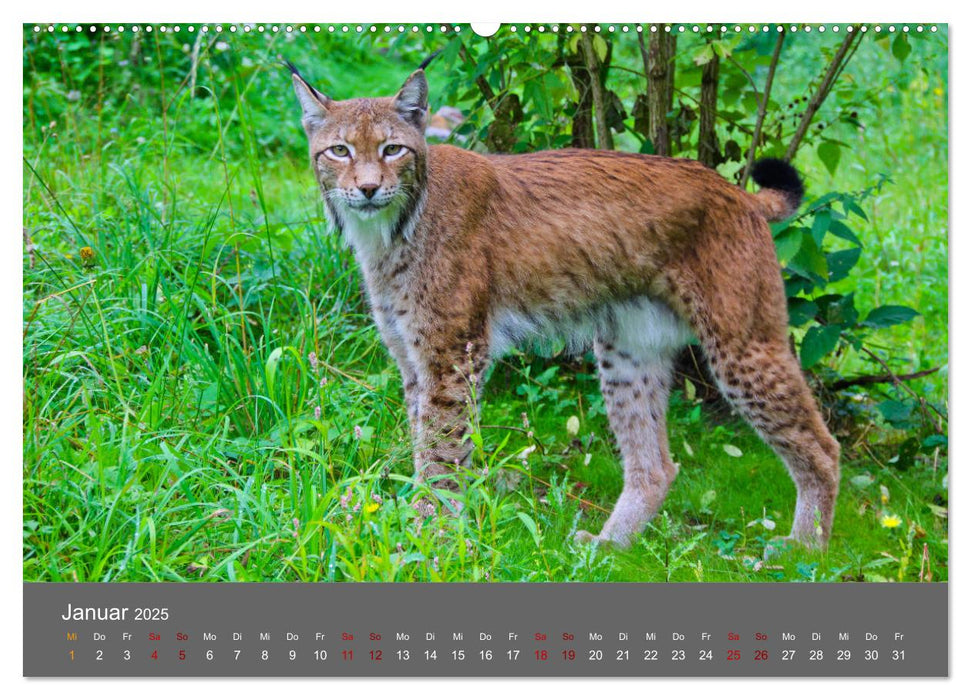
(645, 327)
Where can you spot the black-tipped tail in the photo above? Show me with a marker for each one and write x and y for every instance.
(778, 175)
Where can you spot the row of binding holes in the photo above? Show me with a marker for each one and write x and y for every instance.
(257, 28)
(445, 29)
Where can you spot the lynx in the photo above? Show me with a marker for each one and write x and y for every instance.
(465, 255)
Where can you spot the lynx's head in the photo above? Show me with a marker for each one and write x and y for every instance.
(369, 157)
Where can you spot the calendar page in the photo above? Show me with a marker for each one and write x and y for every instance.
(437, 349)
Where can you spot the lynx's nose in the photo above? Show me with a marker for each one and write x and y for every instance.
(368, 190)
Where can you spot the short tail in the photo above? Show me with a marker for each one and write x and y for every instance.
(781, 188)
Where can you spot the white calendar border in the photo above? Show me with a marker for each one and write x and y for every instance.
(486, 10)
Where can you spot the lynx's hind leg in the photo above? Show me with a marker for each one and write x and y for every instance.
(635, 355)
(764, 382)
(736, 305)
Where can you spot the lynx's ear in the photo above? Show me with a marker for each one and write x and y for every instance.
(411, 102)
(315, 105)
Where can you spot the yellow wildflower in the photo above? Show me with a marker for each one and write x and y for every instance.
(371, 507)
(87, 253)
(890, 521)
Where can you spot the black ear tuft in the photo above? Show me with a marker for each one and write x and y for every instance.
(293, 68)
(776, 174)
(411, 102)
(424, 64)
(314, 103)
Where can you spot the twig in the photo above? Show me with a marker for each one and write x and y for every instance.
(763, 108)
(480, 81)
(899, 384)
(869, 379)
(822, 92)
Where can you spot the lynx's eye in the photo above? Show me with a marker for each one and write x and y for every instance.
(393, 150)
(339, 151)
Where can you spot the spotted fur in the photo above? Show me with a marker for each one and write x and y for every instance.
(465, 255)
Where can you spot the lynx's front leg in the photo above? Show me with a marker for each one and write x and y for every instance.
(448, 383)
(635, 390)
(395, 344)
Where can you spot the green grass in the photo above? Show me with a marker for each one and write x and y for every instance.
(175, 427)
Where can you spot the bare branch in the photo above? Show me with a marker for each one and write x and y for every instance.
(869, 379)
(900, 385)
(763, 108)
(833, 70)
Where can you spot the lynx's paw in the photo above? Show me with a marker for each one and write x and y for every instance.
(778, 546)
(601, 540)
(812, 540)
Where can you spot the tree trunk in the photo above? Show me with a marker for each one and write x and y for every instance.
(604, 138)
(707, 113)
(582, 127)
(659, 60)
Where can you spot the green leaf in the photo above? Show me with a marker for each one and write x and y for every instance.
(890, 315)
(272, 362)
(810, 261)
(689, 390)
(896, 413)
(821, 224)
(841, 230)
(838, 309)
(704, 55)
(600, 46)
(530, 525)
(801, 311)
(936, 440)
(850, 206)
(722, 48)
(900, 47)
(841, 262)
(788, 243)
(451, 51)
(818, 342)
(829, 153)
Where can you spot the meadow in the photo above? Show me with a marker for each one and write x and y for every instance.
(207, 399)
